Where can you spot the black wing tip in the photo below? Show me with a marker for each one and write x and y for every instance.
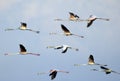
(62, 25)
(37, 32)
(23, 23)
(103, 67)
(88, 25)
(91, 56)
(21, 44)
(63, 51)
(71, 13)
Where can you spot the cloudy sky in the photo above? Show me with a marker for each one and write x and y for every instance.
(101, 39)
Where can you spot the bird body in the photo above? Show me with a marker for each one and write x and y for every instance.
(23, 26)
(91, 60)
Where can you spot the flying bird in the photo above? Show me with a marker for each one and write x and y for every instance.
(63, 47)
(92, 18)
(72, 17)
(106, 70)
(23, 51)
(23, 27)
(53, 73)
(67, 32)
(90, 62)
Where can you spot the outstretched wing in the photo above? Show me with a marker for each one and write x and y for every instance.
(102, 67)
(72, 15)
(53, 75)
(22, 48)
(65, 49)
(64, 29)
(89, 23)
(58, 47)
(91, 59)
(23, 24)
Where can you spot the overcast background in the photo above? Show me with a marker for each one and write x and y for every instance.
(102, 39)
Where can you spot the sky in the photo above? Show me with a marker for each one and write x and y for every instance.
(101, 39)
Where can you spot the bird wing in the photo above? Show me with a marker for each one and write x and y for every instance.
(64, 29)
(22, 48)
(58, 47)
(23, 24)
(102, 67)
(91, 59)
(89, 23)
(107, 72)
(72, 15)
(77, 16)
(65, 49)
(53, 75)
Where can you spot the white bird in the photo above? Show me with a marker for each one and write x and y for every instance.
(63, 47)
(67, 32)
(72, 17)
(92, 18)
(106, 70)
(90, 62)
(53, 73)
(23, 27)
(23, 51)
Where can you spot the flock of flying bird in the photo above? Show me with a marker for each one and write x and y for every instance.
(66, 32)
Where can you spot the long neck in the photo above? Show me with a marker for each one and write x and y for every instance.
(34, 54)
(50, 46)
(78, 36)
(103, 19)
(64, 71)
(9, 54)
